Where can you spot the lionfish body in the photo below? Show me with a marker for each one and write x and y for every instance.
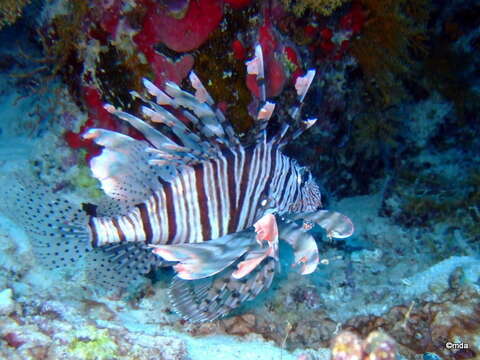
(192, 196)
(209, 199)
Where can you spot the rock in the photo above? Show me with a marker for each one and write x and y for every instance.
(240, 325)
(7, 304)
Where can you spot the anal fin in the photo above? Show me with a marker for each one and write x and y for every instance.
(211, 298)
(119, 265)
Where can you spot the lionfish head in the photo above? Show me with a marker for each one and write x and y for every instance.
(309, 197)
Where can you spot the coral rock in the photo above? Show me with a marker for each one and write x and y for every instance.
(347, 346)
(7, 305)
(240, 325)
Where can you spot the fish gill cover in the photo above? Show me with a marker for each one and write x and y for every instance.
(161, 154)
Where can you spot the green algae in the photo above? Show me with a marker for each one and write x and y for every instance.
(93, 344)
(83, 179)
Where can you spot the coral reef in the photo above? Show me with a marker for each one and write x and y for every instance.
(377, 346)
(383, 50)
(397, 132)
(93, 344)
(323, 7)
(11, 10)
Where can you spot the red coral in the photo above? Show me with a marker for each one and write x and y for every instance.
(97, 117)
(353, 20)
(266, 37)
(166, 69)
(310, 31)
(13, 340)
(239, 51)
(326, 33)
(238, 4)
(274, 72)
(181, 35)
(327, 46)
(291, 55)
(275, 79)
(111, 16)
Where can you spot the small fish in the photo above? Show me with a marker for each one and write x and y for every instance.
(194, 197)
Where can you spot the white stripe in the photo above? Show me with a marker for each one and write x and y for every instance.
(163, 216)
(224, 193)
(277, 175)
(139, 233)
(152, 213)
(264, 171)
(192, 198)
(287, 187)
(126, 227)
(106, 232)
(209, 184)
(245, 206)
(180, 211)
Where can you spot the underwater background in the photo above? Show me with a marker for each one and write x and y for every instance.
(396, 148)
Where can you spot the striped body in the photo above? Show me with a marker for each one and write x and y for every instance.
(209, 199)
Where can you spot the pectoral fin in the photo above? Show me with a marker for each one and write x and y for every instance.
(334, 223)
(267, 231)
(305, 248)
(200, 260)
(252, 260)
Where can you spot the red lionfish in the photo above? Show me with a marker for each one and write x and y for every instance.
(192, 196)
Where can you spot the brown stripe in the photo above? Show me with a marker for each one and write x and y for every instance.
(172, 225)
(94, 239)
(285, 183)
(147, 227)
(216, 185)
(120, 233)
(252, 208)
(156, 200)
(273, 164)
(186, 190)
(202, 202)
(232, 190)
(243, 184)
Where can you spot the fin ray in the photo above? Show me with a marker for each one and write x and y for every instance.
(211, 298)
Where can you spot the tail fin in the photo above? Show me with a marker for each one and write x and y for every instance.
(57, 228)
(211, 298)
(60, 236)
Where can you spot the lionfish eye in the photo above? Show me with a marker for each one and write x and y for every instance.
(265, 201)
(304, 176)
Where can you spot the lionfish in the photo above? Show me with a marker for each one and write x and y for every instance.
(190, 195)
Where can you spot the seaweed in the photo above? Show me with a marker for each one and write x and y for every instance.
(323, 7)
(11, 11)
(393, 33)
(374, 134)
(64, 36)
